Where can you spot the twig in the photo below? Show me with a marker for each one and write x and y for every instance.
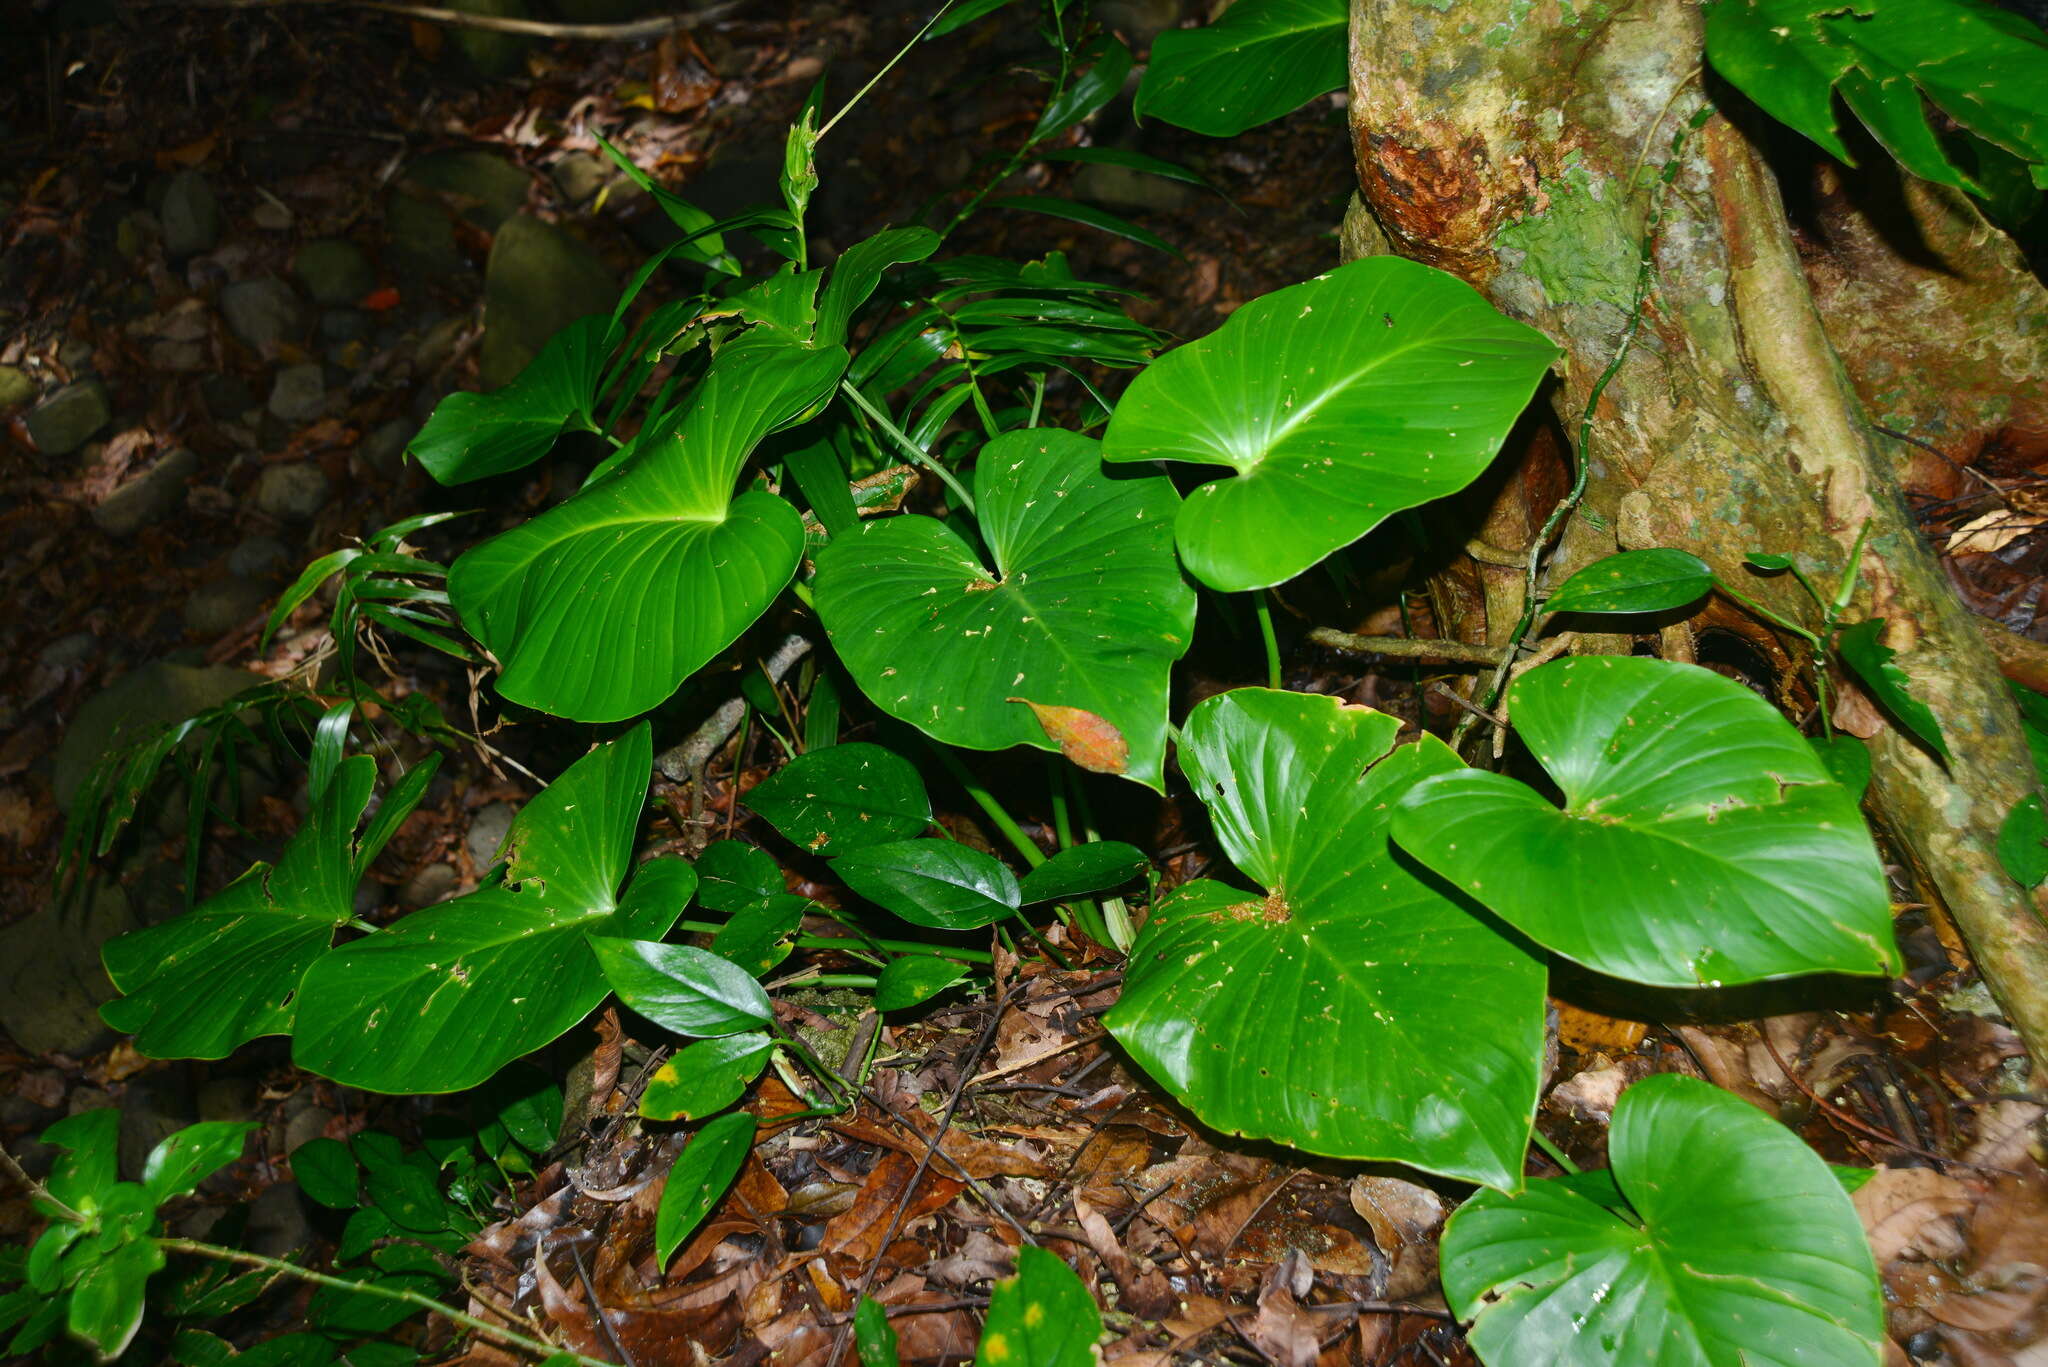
(632, 30)
(611, 1335)
(1406, 647)
(867, 1281)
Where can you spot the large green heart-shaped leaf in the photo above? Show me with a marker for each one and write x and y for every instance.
(1742, 1249)
(1702, 841)
(1084, 610)
(441, 1000)
(471, 436)
(1262, 59)
(600, 607)
(204, 983)
(1338, 403)
(1355, 1008)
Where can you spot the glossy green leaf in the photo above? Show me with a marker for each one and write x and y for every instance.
(1084, 609)
(681, 988)
(761, 934)
(2034, 721)
(873, 1339)
(106, 1302)
(843, 798)
(915, 978)
(1635, 581)
(1982, 67)
(705, 1077)
(444, 998)
(1087, 215)
(859, 269)
(1262, 59)
(326, 1171)
(1847, 760)
(699, 1180)
(2023, 842)
(1702, 841)
(937, 883)
(700, 245)
(1130, 161)
(731, 874)
(1042, 1317)
(1336, 403)
(201, 984)
(87, 1145)
(1082, 869)
(526, 1102)
(1743, 1248)
(1355, 1007)
(1101, 65)
(1863, 650)
(473, 436)
(602, 605)
(177, 1165)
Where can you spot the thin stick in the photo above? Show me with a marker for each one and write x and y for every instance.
(630, 31)
(1406, 647)
(496, 1333)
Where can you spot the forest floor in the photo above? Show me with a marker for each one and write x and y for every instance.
(247, 251)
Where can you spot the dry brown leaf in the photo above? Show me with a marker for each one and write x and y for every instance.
(1992, 532)
(1909, 1212)
(1405, 1219)
(858, 1233)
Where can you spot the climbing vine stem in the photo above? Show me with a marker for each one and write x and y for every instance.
(1646, 262)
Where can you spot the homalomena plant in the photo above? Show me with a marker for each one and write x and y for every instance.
(1373, 986)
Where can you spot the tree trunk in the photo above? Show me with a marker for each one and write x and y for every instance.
(1517, 146)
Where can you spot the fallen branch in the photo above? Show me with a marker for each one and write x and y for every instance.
(629, 31)
(1406, 647)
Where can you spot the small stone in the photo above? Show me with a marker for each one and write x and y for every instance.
(16, 388)
(487, 827)
(539, 280)
(1129, 191)
(227, 396)
(278, 1224)
(384, 449)
(220, 607)
(437, 346)
(421, 237)
(292, 492)
(149, 497)
(68, 652)
(493, 54)
(430, 885)
(152, 1110)
(305, 1125)
(227, 1098)
(147, 697)
(486, 189)
(260, 557)
(334, 271)
(191, 216)
(345, 325)
(299, 393)
(67, 419)
(74, 354)
(263, 312)
(580, 175)
(51, 979)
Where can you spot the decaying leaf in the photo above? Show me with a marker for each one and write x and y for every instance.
(1083, 737)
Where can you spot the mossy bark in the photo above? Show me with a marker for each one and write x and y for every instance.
(1515, 143)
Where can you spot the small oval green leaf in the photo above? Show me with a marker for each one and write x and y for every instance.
(1634, 581)
(699, 1179)
(705, 1077)
(843, 798)
(915, 978)
(690, 991)
(937, 883)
